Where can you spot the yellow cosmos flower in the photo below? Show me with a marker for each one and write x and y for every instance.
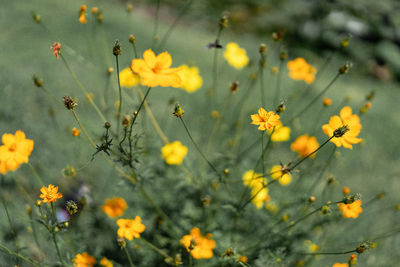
(250, 178)
(84, 260)
(352, 121)
(257, 183)
(191, 79)
(114, 207)
(50, 194)
(236, 56)
(155, 70)
(265, 120)
(284, 178)
(340, 265)
(305, 145)
(174, 153)
(299, 69)
(106, 263)
(200, 247)
(280, 133)
(130, 229)
(15, 151)
(350, 210)
(82, 16)
(127, 78)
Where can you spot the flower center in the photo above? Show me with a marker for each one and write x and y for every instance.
(12, 148)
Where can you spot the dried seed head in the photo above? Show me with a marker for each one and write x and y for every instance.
(69, 103)
(117, 49)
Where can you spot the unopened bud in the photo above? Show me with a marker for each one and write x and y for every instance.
(281, 108)
(345, 68)
(262, 49)
(311, 199)
(327, 102)
(110, 70)
(107, 125)
(37, 81)
(325, 210)
(94, 10)
(36, 18)
(121, 242)
(234, 86)
(345, 42)
(178, 111)
(223, 22)
(228, 252)
(69, 103)
(132, 39)
(28, 210)
(117, 49)
(100, 17)
(283, 55)
(126, 120)
(38, 203)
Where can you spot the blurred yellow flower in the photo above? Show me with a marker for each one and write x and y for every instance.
(299, 69)
(272, 207)
(259, 191)
(130, 229)
(236, 56)
(174, 153)
(200, 247)
(84, 260)
(191, 79)
(82, 16)
(155, 70)
(280, 133)
(127, 78)
(105, 262)
(350, 210)
(250, 178)
(76, 132)
(305, 145)
(114, 207)
(15, 151)
(265, 120)
(340, 265)
(352, 121)
(312, 247)
(327, 101)
(285, 178)
(50, 194)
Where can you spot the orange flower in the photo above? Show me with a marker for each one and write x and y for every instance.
(352, 121)
(351, 210)
(155, 70)
(82, 17)
(340, 265)
(76, 132)
(114, 207)
(50, 194)
(299, 69)
(305, 145)
(15, 151)
(84, 260)
(130, 229)
(105, 262)
(200, 247)
(56, 48)
(266, 120)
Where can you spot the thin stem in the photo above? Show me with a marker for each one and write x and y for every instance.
(39, 180)
(53, 235)
(11, 224)
(262, 152)
(129, 257)
(278, 84)
(328, 162)
(330, 253)
(159, 251)
(36, 264)
(83, 129)
(120, 98)
(134, 50)
(82, 88)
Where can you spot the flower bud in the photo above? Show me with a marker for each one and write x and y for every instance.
(107, 125)
(132, 39)
(37, 81)
(71, 207)
(38, 203)
(311, 199)
(262, 49)
(339, 132)
(178, 112)
(117, 49)
(346, 190)
(121, 242)
(69, 103)
(100, 17)
(126, 120)
(345, 68)
(110, 70)
(283, 55)
(234, 86)
(327, 102)
(28, 210)
(36, 18)
(206, 200)
(223, 22)
(325, 210)
(94, 10)
(345, 42)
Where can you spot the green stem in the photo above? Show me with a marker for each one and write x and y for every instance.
(36, 264)
(11, 224)
(120, 98)
(330, 253)
(39, 180)
(278, 84)
(53, 235)
(129, 257)
(159, 251)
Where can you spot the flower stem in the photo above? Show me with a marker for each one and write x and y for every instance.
(39, 180)
(330, 253)
(53, 235)
(129, 257)
(278, 84)
(159, 251)
(120, 98)
(11, 224)
(36, 264)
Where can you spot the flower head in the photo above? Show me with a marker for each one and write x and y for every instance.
(278, 172)
(352, 125)
(15, 151)
(50, 194)
(56, 49)
(114, 207)
(200, 247)
(174, 153)
(191, 79)
(250, 178)
(257, 183)
(76, 132)
(155, 70)
(236, 56)
(305, 145)
(127, 78)
(280, 133)
(84, 260)
(340, 265)
(265, 120)
(350, 210)
(299, 69)
(130, 229)
(82, 16)
(105, 262)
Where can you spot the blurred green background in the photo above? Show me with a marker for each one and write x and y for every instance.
(313, 30)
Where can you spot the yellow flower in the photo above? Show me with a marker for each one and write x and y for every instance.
(266, 120)
(243, 259)
(114, 207)
(305, 145)
(299, 69)
(173, 153)
(82, 17)
(130, 229)
(259, 191)
(280, 133)
(236, 56)
(155, 70)
(76, 132)
(352, 121)
(312, 247)
(84, 260)
(127, 78)
(250, 178)
(285, 178)
(105, 262)
(50, 194)
(340, 265)
(350, 210)
(191, 79)
(15, 150)
(200, 247)
(272, 207)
